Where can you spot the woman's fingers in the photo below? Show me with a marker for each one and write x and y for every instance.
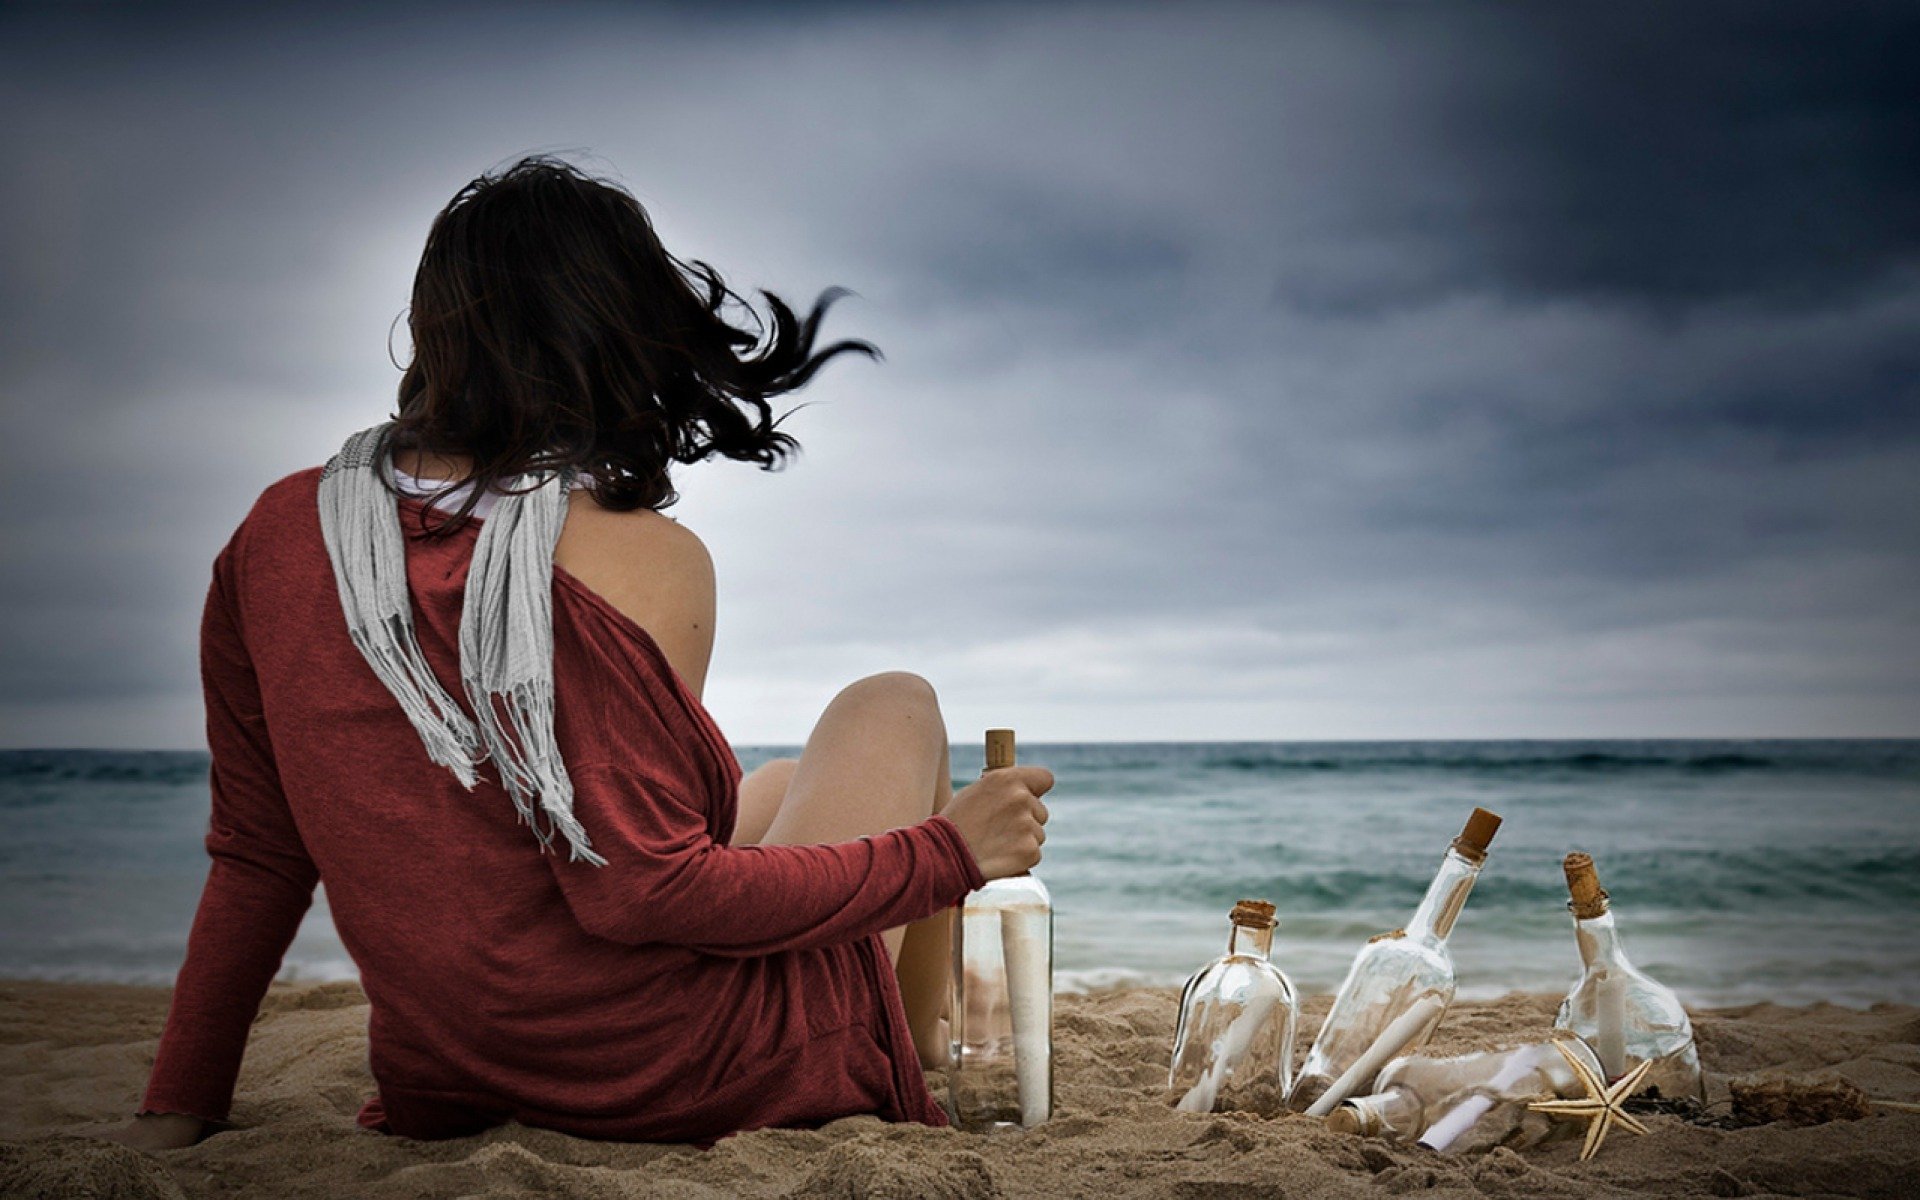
(1002, 818)
(1039, 780)
(1039, 814)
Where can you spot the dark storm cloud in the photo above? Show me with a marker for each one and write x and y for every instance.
(1647, 152)
(1251, 370)
(1011, 238)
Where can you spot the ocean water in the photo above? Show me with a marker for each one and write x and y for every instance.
(1739, 870)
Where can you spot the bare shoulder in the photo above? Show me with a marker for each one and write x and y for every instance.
(648, 539)
(654, 570)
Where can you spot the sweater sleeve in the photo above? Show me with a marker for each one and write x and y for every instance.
(667, 880)
(259, 885)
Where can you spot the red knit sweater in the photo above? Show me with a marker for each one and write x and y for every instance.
(686, 990)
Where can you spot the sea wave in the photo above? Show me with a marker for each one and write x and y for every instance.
(1136, 763)
(165, 767)
(1519, 760)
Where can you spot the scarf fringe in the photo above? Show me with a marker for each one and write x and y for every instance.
(506, 631)
(529, 763)
(451, 740)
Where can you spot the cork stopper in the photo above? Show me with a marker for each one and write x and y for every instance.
(1478, 835)
(999, 748)
(1358, 1117)
(1253, 914)
(1583, 884)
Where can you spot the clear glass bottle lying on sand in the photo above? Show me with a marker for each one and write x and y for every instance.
(1398, 988)
(1000, 997)
(1470, 1102)
(1233, 1044)
(1626, 1016)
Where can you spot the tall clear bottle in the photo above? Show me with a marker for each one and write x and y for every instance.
(1233, 1044)
(1626, 1016)
(1399, 986)
(1468, 1102)
(1000, 997)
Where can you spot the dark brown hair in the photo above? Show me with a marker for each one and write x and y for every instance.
(552, 329)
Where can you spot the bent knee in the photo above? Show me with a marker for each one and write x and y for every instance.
(891, 699)
(891, 688)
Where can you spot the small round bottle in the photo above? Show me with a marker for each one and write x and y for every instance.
(1233, 1044)
(1627, 1016)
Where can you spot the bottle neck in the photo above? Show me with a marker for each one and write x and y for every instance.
(1394, 1112)
(1251, 941)
(1445, 897)
(1599, 941)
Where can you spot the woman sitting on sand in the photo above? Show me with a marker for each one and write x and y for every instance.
(711, 953)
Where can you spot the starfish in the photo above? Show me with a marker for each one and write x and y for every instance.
(1602, 1104)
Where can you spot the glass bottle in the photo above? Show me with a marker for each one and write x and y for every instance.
(1399, 986)
(1000, 995)
(1468, 1102)
(1233, 1044)
(1626, 1016)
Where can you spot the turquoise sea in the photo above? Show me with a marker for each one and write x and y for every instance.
(1739, 870)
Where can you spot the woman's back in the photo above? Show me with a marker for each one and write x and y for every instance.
(683, 990)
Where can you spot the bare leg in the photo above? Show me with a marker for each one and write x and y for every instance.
(925, 960)
(761, 794)
(876, 760)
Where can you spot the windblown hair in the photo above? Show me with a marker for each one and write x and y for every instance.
(551, 328)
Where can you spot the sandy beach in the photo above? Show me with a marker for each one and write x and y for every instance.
(76, 1056)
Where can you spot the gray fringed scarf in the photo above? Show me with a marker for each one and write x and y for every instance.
(506, 628)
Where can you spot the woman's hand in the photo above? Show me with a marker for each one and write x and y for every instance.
(157, 1131)
(1001, 816)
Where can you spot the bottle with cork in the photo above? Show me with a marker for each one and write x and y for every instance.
(1398, 988)
(1000, 995)
(1626, 1016)
(1233, 1043)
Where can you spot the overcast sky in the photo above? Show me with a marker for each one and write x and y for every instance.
(1316, 371)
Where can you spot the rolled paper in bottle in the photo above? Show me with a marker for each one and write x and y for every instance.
(1610, 1038)
(1466, 1114)
(1460, 1118)
(1392, 1040)
(1030, 995)
(1230, 1049)
(1200, 1097)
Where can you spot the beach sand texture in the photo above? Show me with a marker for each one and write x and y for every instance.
(76, 1057)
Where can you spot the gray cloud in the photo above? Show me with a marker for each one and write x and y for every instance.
(1252, 371)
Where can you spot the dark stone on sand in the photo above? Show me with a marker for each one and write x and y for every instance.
(1797, 1101)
